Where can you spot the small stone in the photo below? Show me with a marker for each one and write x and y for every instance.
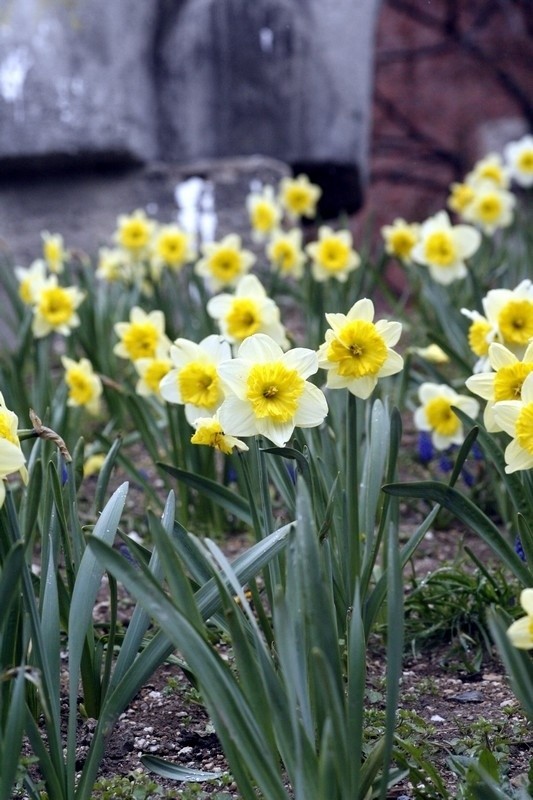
(467, 697)
(436, 718)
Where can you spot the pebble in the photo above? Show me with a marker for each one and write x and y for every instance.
(436, 718)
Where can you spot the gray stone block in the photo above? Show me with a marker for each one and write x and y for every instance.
(75, 79)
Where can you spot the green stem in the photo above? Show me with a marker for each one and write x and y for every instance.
(352, 487)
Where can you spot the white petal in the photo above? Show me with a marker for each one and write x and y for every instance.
(500, 356)
(420, 419)
(526, 600)
(169, 387)
(260, 348)
(517, 458)
(237, 418)
(312, 407)
(506, 413)
(527, 389)
(519, 633)
(363, 387)
(390, 331)
(481, 384)
(278, 433)
(466, 239)
(234, 375)
(363, 309)
(304, 361)
(392, 365)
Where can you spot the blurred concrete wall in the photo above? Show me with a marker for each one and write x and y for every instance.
(94, 81)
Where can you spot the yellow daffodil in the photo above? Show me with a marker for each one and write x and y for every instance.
(285, 253)
(481, 334)
(84, 385)
(172, 247)
(55, 308)
(246, 312)
(54, 252)
(332, 255)
(299, 197)
(519, 158)
(490, 208)
(151, 372)
(443, 248)
(520, 633)
(436, 413)
(194, 380)
(224, 263)
(267, 391)
(461, 195)
(134, 232)
(264, 213)
(511, 313)
(11, 456)
(31, 279)
(143, 336)
(400, 238)
(357, 351)
(504, 383)
(490, 169)
(113, 265)
(432, 353)
(209, 432)
(515, 417)
(93, 464)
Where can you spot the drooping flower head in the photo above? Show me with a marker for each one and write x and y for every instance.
(172, 247)
(332, 255)
(504, 383)
(435, 414)
(246, 312)
(400, 238)
(143, 336)
(285, 253)
(54, 252)
(55, 308)
(443, 247)
(357, 351)
(224, 263)
(264, 212)
(134, 232)
(515, 417)
(520, 633)
(194, 380)
(11, 456)
(299, 197)
(209, 433)
(114, 265)
(31, 280)
(519, 158)
(84, 385)
(267, 391)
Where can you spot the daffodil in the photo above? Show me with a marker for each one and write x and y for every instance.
(357, 351)
(113, 265)
(224, 263)
(519, 158)
(246, 312)
(490, 169)
(511, 312)
(93, 464)
(490, 208)
(134, 232)
(435, 414)
(400, 238)
(432, 353)
(172, 247)
(55, 308)
(31, 279)
(285, 253)
(504, 383)
(443, 247)
(264, 212)
(332, 255)
(515, 417)
(11, 456)
(209, 432)
(151, 372)
(84, 385)
(299, 197)
(461, 195)
(194, 379)
(267, 391)
(520, 633)
(481, 334)
(54, 252)
(143, 336)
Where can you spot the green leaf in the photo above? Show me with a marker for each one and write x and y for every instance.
(471, 515)
(216, 492)
(176, 771)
